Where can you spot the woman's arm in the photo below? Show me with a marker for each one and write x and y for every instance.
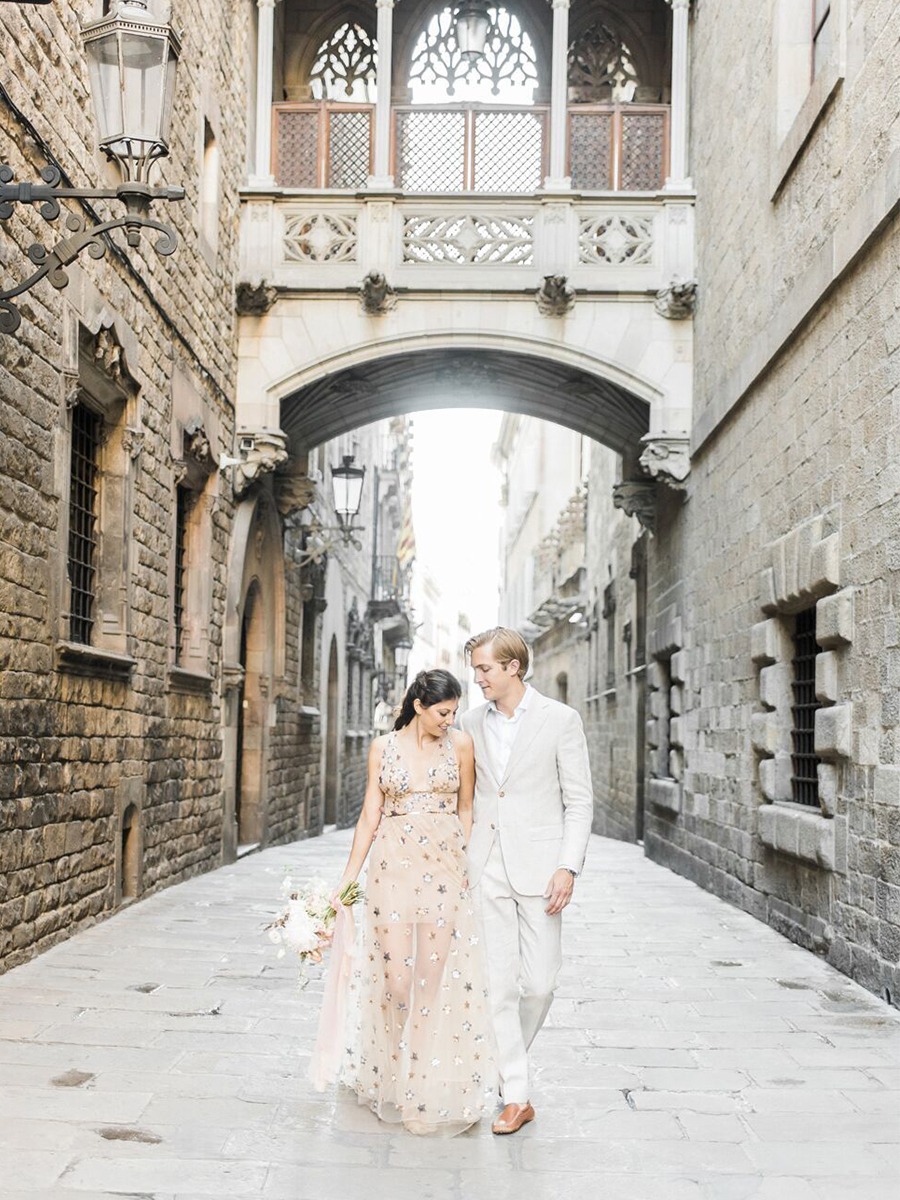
(465, 756)
(369, 818)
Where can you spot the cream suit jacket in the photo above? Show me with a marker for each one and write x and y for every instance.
(543, 807)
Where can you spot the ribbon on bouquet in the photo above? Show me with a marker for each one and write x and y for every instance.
(331, 1038)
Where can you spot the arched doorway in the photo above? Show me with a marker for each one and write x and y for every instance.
(251, 724)
(332, 736)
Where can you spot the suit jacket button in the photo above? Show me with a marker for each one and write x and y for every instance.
(493, 826)
(501, 794)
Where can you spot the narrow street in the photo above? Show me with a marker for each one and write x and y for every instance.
(691, 1054)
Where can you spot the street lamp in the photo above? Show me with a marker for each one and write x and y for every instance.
(320, 540)
(131, 61)
(473, 23)
(347, 484)
(401, 659)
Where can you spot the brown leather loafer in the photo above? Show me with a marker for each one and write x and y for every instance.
(513, 1117)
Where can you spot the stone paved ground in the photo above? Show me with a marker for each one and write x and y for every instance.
(691, 1054)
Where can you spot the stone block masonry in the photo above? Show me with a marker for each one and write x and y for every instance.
(792, 502)
(110, 764)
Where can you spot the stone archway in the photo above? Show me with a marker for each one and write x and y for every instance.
(253, 663)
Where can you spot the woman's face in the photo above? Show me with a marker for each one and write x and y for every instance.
(436, 719)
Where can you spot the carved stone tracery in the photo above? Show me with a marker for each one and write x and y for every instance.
(600, 67)
(509, 57)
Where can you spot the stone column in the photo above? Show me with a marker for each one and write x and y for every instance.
(557, 180)
(678, 179)
(261, 175)
(381, 177)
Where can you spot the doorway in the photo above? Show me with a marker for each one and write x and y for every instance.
(332, 735)
(250, 725)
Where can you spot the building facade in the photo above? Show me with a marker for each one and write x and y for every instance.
(566, 227)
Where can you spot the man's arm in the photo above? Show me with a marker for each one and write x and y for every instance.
(574, 771)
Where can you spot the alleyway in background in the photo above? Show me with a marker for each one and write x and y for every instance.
(692, 1054)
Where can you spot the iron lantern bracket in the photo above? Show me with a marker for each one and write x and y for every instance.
(51, 263)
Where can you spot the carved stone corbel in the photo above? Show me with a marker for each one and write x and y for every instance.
(666, 457)
(293, 493)
(262, 450)
(555, 297)
(133, 441)
(676, 301)
(637, 498)
(254, 299)
(376, 296)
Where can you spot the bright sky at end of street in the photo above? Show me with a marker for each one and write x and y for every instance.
(456, 508)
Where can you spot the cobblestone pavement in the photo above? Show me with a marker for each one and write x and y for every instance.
(691, 1053)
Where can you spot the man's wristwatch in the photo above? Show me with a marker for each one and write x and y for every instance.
(574, 874)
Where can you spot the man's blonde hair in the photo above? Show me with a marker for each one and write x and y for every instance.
(506, 645)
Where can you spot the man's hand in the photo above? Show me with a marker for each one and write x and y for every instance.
(559, 891)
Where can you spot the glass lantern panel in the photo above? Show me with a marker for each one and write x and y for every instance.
(144, 63)
(347, 494)
(103, 64)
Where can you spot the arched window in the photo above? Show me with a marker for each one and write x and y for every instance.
(507, 71)
(601, 67)
(345, 66)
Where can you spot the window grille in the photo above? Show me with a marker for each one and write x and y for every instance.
(183, 504)
(609, 616)
(804, 762)
(83, 495)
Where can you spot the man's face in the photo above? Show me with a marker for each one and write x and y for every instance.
(495, 679)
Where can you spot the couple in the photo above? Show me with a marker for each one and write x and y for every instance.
(437, 1009)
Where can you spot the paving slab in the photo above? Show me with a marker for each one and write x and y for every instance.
(691, 1054)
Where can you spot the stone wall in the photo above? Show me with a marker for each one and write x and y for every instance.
(110, 775)
(792, 498)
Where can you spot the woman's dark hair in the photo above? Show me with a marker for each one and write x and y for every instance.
(428, 687)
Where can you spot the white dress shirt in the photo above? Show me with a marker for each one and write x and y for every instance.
(501, 731)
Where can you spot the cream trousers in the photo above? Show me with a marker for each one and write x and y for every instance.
(523, 950)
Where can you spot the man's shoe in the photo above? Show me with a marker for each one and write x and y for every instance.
(513, 1117)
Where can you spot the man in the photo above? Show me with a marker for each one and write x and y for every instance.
(533, 812)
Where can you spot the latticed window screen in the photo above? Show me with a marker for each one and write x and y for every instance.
(508, 151)
(590, 150)
(184, 499)
(323, 145)
(643, 144)
(349, 148)
(431, 151)
(618, 147)
(804, 761)
(297, 147)
(83, 498)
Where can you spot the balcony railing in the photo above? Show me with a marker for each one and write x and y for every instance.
(389, 580)
(471, 147)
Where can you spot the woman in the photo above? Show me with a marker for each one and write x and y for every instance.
(422, 1055)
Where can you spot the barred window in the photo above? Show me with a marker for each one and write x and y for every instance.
(83, 511)
(184, 500)
(609, 616)
(804, 761)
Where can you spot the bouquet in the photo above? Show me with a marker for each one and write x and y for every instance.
(306, 923)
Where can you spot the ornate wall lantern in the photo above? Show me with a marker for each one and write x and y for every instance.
(131, 60)
(472, 23)
(347, 483)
